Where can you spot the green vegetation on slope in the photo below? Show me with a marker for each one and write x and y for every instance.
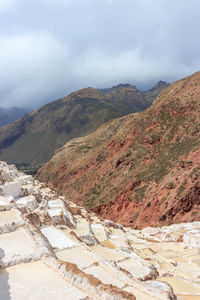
(31, 141)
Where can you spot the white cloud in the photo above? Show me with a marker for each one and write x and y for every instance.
(50, 48)
(5, 4)
(30, 66)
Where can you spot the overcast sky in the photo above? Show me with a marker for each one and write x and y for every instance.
(49, 48)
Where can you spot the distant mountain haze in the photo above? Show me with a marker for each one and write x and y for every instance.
(32, 140)
(8, 115)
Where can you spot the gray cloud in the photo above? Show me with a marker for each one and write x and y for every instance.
(49, 48)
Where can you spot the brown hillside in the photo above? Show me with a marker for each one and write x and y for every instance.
(142, 169)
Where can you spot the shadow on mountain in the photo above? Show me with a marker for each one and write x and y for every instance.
(4, 286)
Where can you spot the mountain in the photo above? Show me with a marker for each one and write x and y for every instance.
(32, 140)
(8, 115)
(142, 169)
(152, 93)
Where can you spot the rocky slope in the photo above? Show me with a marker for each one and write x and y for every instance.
(32, 140)
(8, 115)
(142, 169)
(51, 248)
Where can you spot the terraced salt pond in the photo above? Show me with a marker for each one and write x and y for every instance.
(51, 248)
(37, 281)
(8, 217)
(17, 244)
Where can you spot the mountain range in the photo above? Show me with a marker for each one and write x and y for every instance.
(31, 141)
(142, 169)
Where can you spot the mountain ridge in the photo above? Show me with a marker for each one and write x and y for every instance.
(32, 140)
(137, 170)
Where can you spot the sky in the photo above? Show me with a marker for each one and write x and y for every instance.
(49, 48)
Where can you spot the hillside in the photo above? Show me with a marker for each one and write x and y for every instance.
(32, 140)
(142, 169)
(8, 115)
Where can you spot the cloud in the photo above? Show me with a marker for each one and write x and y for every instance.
(6, 5)
(50, 48)
(31, 71)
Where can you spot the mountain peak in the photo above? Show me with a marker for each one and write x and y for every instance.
(123, 85)
(118, 87)
(160, 84)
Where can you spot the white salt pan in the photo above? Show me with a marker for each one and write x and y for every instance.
(57, 238)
